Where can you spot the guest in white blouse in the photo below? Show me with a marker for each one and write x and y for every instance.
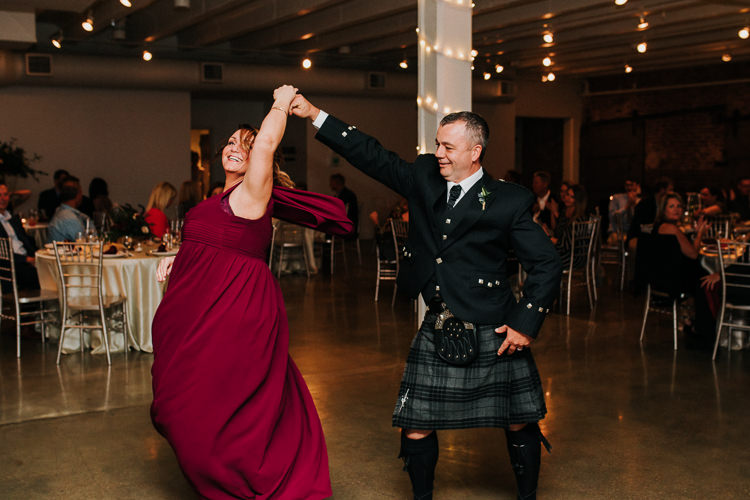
(22, 245)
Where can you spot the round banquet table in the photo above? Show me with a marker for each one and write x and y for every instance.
(134, 277)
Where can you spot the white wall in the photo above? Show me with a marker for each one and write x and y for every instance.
(133, 139)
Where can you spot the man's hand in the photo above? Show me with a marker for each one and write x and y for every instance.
(301, 107)
(514, 341)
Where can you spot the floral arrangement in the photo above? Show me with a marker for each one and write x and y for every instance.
(14, 161)
(125, 220)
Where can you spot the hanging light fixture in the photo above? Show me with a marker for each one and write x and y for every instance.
(486, 75)
(499, 68)
(550, 77)
(628, 68)
(57, 39)
(306, 63)
(643, 24)
(404, 64)
(621, 2)
(147, 55)
(88, 23)
(126, 3)
(547, 61)
(547, 35)
(642, 47)
(726, 57)
(744, 32)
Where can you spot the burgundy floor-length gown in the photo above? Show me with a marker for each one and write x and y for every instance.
(227, 395)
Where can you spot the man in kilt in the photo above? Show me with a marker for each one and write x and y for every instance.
(469, 364)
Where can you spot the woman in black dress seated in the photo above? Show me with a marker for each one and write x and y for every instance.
(699, 331)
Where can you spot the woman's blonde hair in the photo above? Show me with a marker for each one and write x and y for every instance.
(247, 138)
(161, 196)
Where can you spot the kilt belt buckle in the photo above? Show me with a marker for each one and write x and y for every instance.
(455, 340)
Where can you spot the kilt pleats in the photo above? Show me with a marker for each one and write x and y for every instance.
(491, 392)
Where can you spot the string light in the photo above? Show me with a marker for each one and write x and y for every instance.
(57, 40)
(486, 75)
(550, 77)
(643, 24)
(726, 57)
(628, 68)
(126, 3)
(147, 56)
(306, 63)
(499, 68)
(642, 47)
(88, 23)
(404, 64)
(621, 2)
(547, 61)
(744, 33)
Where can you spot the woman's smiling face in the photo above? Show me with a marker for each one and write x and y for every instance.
(235, 156)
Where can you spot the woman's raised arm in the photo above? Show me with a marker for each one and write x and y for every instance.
(250, 199)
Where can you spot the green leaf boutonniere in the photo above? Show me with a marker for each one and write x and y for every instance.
(483, 196)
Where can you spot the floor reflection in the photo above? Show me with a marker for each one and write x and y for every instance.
(625, 420)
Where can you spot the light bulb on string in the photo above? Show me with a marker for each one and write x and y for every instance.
(547, 61)
(726, 57)
(621, 2)
(147, 55)
(486, 75)
(306, 63)
(744, 32)
(404, 64)
(548, 37)
(550, 77)
(126, 3)
(642, 47)
(628, 68)
(88, 23)
(643, 24)
(57, 40)
(499, 68)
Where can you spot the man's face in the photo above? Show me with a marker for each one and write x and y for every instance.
(4, 197)
(79, 194)
(539, 186)
(457, 156)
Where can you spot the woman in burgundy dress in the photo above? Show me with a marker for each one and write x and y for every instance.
(227, 396)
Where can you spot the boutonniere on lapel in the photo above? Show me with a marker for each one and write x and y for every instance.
(483, 196)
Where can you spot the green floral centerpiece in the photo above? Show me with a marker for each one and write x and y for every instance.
(125, 220)
(15, 162)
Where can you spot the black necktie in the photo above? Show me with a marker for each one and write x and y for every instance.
(455, 193)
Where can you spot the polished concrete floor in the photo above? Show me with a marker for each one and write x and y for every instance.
(625, 421)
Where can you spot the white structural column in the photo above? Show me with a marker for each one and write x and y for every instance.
(445, 56)
(444, 64)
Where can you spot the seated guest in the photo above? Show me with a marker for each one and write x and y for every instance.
(712, 201)
(190, 196)
(21, 244)
(546, 208)
(49, 199)
(99, 194)
(574, 209)
(739, 198)
(644, 212)
(68, 221)
(699, 330)
(161, 197)
(623, 205)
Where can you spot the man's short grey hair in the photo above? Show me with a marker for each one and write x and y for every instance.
(476, 127)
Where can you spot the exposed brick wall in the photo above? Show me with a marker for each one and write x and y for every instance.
(689, 134)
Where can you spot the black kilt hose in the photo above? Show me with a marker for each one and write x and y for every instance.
(493, 391)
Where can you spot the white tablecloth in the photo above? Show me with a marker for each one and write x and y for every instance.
(134, 277)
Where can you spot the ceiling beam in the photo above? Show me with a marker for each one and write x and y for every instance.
(259, 15)
(351, 13)
(349, 35)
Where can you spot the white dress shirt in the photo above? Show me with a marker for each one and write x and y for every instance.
(18, 247)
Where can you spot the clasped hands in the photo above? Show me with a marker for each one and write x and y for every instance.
(514, 340)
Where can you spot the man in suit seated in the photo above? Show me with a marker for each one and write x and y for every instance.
(462, 225)
(22, 245)
(49, 199)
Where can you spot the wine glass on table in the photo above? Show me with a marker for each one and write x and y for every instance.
(127, 242)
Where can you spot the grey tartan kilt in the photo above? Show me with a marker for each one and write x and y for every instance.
(493, 391)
